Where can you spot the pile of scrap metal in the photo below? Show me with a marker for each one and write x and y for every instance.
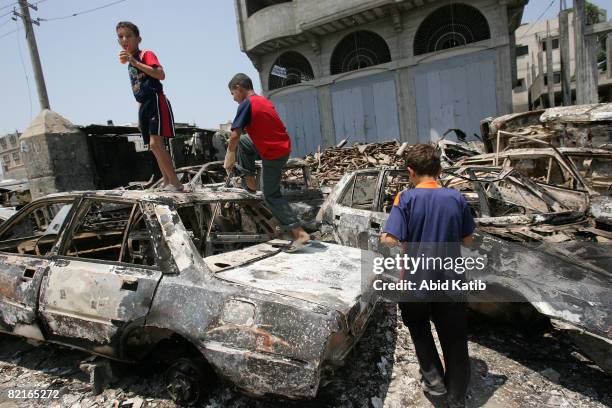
(564, 150)
(194, 281)
(328, 166)
(569, 126)
(542, 253)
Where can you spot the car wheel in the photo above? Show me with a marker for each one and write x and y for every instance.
(185, 381)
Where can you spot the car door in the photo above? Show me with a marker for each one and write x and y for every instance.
(353, 210)
(104, 277)
(26, 242)
(391, 184)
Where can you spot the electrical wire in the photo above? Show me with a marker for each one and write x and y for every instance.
(5, 23)
(25, 72)
(9, 5)
(13, 10)
(82, 12)
(10, 32)
(538, 20)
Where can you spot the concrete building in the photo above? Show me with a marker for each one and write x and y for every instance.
(10, 157)
(531, 87)
(372, 70)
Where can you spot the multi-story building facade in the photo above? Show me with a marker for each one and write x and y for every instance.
(531, 87)
(10, 157)
(372, 70)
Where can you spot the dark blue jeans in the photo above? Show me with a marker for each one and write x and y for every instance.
(271, 174)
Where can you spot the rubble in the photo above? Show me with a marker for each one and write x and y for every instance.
(329, 165)
(507, 362)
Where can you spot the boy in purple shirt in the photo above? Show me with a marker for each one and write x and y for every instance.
(434, 220)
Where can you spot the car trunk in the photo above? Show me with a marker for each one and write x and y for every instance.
(321, 273)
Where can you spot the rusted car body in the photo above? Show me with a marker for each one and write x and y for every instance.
(540, 251)
(124, 274)
(576, 175)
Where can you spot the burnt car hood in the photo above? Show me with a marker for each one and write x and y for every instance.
(325, 274)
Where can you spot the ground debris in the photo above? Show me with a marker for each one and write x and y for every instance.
(329, 165)
(511, 367)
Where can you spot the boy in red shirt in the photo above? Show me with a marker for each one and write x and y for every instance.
(267, 140)
(155, 118)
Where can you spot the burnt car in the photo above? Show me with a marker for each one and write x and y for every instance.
(297, 185)
(197, 280)
(578, 175)
(544, 257)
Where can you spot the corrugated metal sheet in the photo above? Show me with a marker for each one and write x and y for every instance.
(365, 109)
(455, 93)
(300, 113)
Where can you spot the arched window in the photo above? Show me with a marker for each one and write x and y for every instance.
(253, 6)
(290, 68)
(451, 26)
(359, 49)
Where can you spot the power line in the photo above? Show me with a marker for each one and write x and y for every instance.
(538, 19)
(6, 22)
(10, 32)
(82, 12)
(8, 5)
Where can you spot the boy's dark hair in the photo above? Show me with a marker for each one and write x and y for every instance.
(241, 79)
(424, 159)
(129, 25)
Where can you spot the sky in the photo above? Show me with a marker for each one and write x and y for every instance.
(196, 41)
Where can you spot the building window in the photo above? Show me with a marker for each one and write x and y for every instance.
(290, 68)
(16, 158)
(6, 159)
(522, 50)
(451, 26)
(556, 78)
(3, 143)
(358, 50)
(253, 6)
(520, 85)
(13, 140)
(555, 44)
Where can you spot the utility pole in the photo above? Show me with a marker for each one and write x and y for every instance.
(38, 72)
(586, 62)
(564, 51)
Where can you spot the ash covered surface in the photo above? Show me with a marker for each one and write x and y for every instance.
(511, 367)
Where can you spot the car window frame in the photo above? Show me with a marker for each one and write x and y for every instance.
(19, 215)
(81, 210)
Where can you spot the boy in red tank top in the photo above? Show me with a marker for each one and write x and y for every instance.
(267, 139)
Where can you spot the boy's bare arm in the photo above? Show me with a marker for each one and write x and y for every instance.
(155, 72)
(468, 240)
(388, 240)
(234, 138)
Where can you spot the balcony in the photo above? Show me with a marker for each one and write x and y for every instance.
(270, 23)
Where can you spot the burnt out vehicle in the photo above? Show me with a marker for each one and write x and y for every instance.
(544, 258)
(297, 185)
(196, 280)
(578, 175)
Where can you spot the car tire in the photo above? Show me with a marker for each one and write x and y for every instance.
(187, 381)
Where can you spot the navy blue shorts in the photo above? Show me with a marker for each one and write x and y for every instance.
(155, 118)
